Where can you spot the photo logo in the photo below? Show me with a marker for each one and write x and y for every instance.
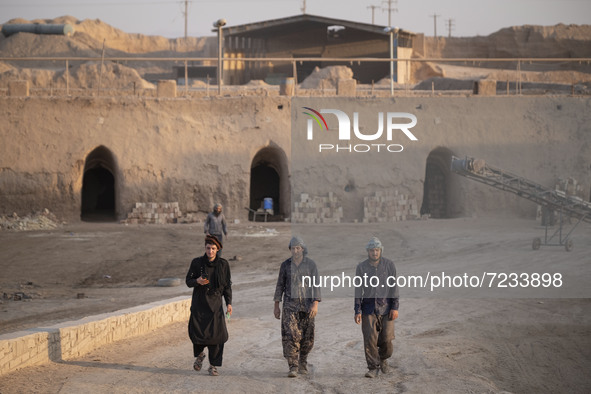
(390, 122)
(315, 117)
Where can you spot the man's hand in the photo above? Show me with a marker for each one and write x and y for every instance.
(277, 311)
(393, 314)
(202, 281)
(229, 309)
(314, 309)
(358, 318)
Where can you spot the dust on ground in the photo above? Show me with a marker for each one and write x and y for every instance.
(444, 344)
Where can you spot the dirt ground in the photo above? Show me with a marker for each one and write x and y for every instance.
(445, 342)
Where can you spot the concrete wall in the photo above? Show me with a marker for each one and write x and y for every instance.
(73, 339)
(200, 151)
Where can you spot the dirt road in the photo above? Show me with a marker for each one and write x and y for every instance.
(455, 341)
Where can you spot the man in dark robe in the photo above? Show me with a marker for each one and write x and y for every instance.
(209, 276)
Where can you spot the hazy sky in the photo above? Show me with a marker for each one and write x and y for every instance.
(166, 17)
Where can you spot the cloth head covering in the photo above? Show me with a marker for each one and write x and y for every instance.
(212, 239)
(217, 205)
(295, 241)
(374, 243)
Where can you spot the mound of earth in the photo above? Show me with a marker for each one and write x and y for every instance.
(83, 76)
(111, 74)
(44, 220)
(90, 35)
(327, 77)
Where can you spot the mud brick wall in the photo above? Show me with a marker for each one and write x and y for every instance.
(318, 209)
(154, 213)
(389, 206)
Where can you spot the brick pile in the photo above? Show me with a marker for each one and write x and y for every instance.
(317, 209)
(154, 213)
(390, 206)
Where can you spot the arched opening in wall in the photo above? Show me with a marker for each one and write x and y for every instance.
(438, 188)
(269, 189)
(98, 187)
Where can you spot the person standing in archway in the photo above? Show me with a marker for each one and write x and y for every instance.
(210, 278)
(215, 224)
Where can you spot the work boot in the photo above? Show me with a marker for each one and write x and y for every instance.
(199, 362)
(384, 366)
(293, 372)
(303, 365)
(372, 373)
(303, 368)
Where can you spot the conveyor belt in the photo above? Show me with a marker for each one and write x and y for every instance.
(479, 170)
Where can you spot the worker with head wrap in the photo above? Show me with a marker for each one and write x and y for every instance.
(215, 224)
(300, 305)
(376, 307)
(210, 278)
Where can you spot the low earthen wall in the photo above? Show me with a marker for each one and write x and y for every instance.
(73, 339)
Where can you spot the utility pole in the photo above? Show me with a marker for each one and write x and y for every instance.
(373, 9)
(303, 7)
(390, 9)
(434, 16)
(186, 16)
(450, 26)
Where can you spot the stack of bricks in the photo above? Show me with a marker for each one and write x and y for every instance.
(154, 213)
(390, 206)
(317, 209)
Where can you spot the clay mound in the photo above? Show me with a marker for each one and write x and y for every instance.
(327, 77)
(37, 78)
(114, 76)
(85, 76)
(118, 40)
(90, 35)
(256, 82)
(30, 45)
(5, 67)
(44, 220)
(541, 41)
(556, 32)
(424, 70)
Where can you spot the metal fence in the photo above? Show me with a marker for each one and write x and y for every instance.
(521, 76)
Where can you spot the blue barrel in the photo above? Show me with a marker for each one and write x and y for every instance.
(268, 203)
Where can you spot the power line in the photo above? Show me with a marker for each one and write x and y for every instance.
(390, 9)
(450, 26)
(373, 9)
(434, 16)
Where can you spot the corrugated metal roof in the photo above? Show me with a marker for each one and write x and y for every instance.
(299, 23)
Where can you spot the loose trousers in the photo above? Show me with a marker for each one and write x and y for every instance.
(215, 353)
(378, 334)
(297, 333)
